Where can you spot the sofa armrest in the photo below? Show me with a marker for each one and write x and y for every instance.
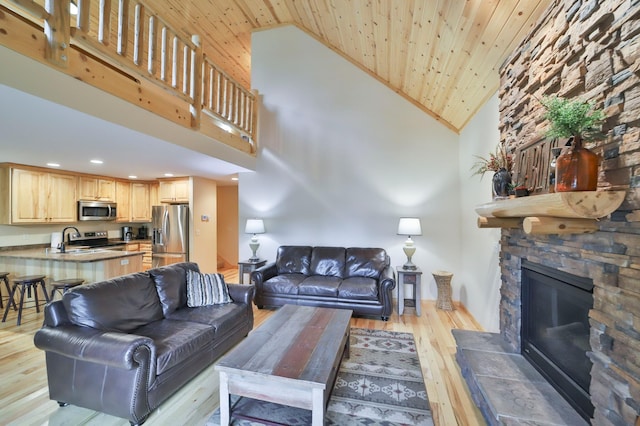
(55, 314)
(262, 274)
(388, 279)
(386, 284)
(241, 293)
(114, 349)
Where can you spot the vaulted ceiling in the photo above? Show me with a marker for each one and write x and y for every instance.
(442, 55)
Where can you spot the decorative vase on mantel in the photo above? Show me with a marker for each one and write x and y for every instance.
(576, 168)
(501, 183)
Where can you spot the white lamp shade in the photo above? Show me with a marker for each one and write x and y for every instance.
(409, 226)
(254, 226)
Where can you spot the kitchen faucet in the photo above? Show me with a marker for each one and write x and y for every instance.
(77, 234)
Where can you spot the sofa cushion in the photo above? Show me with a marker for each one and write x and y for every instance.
(366, 262)
(328, 261)
(176, 341)
(318, 285)
(283, 284)
(206, 289)
(119, 304)
(293, 260)
(220, 317)
(361, 288)
(171, 285)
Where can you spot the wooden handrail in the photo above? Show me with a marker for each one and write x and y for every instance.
(130, 37)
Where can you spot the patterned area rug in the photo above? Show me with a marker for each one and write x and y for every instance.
(380, 384)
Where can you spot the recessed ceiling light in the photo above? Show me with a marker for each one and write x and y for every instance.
(234, 178)
(168, 174)
(53, 164)
(133, 177)
(97, 161)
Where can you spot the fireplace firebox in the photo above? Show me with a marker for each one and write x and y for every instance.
(555, 330)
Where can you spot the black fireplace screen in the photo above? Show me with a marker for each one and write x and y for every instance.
(555, 330)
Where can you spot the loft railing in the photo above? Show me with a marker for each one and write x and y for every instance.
(227, 100)
(130, 36)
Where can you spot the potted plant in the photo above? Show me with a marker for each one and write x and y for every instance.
(576, 167)
(500, 162)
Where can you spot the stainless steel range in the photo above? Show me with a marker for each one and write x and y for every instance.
(92, 239)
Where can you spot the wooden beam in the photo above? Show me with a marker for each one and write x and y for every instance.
(577, 205)
(495, 222)
(32, 7)
(551, 225)
(58, 32)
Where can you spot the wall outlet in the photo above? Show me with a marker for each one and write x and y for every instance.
(124, 262)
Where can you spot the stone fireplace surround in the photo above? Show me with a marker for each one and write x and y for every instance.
(588, 49)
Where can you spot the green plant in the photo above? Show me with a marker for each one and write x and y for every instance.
(496, 161)
(572, 118)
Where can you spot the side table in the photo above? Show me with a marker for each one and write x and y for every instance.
(443, 282)
(247, 267)
(409, 277)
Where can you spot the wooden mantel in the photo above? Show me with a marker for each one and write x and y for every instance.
(556, 213)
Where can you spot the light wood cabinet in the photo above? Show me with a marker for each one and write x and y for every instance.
(140, 202)
(145, 248)
(41, 197)
(133, 201)
(123, 201)
(174, 191)
(132, 247)
(97, 188)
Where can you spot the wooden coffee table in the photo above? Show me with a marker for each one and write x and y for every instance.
(291, 359)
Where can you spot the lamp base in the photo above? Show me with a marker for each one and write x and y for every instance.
(409, 250)
(409, 266)
(254, 244)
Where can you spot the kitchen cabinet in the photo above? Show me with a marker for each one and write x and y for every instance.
(123, 201)
(140, 202)
(174, 191)
(97, 188)
(145, 248)
(154, 198)
(133, 201)
(39, 197)
(132, 247)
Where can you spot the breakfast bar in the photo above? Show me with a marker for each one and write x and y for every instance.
(91, 265)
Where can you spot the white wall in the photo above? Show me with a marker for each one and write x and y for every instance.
(479, 279)
(342, 158)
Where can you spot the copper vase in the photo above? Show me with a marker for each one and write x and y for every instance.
(576, 168)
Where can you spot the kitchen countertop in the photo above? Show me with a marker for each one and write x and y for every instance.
(90, 255)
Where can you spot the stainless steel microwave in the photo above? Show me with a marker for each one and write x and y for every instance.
(96, 210)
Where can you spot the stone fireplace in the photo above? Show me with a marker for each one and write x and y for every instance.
(585, 49)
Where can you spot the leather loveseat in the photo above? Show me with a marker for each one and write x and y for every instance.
(359, 279)
(124, 345)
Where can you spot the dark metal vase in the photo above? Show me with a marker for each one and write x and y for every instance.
(501, 183)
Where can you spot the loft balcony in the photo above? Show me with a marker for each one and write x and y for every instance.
(127, 50)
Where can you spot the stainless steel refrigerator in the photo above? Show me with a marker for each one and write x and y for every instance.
(170, 235)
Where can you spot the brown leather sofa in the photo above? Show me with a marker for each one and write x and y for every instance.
(359, 279)
(124, 345)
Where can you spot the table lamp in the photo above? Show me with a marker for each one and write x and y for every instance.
(409, 226)
(254, 226)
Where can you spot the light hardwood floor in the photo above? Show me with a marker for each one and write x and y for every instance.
(24, 398)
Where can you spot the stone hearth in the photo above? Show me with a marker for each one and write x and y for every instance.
(506, 388)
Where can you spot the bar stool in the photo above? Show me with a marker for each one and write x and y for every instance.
(4, 276)
(26, 283)
(62, 286)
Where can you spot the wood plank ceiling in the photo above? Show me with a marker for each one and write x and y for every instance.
(442, 55)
